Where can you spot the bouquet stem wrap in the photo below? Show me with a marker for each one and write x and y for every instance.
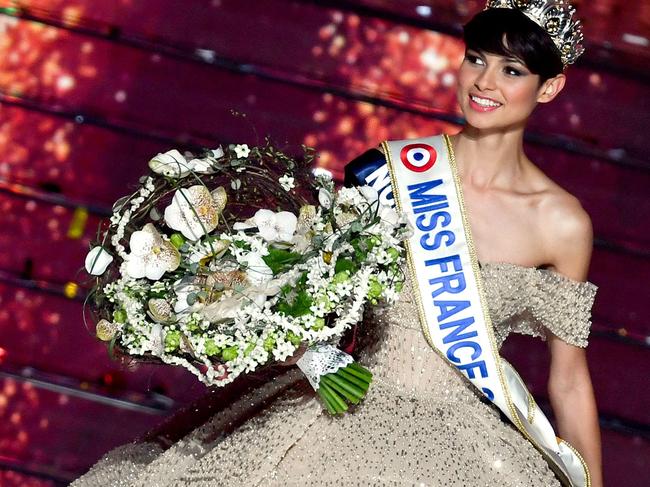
(335, 376)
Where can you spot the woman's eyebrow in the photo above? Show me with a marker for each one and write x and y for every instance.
(512, 60)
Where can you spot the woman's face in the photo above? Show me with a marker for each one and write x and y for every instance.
(495, 91)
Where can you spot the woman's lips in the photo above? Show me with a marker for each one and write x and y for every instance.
(480, 108)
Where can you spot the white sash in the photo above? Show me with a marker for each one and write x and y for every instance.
(448, 289)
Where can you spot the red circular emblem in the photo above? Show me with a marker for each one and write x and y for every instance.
(418, 157)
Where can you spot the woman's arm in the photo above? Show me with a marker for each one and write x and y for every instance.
(569, 386)
(574, 405)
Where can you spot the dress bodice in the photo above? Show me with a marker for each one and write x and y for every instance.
(520, 299)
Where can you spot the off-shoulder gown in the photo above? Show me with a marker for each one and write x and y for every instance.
(421, 423)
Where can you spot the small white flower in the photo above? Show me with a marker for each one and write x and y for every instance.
(97, 261)
(242, 151)
(287, 182)
(151, 255)
(275, 227)
(194, 211)
(325, 198)
(171, 164)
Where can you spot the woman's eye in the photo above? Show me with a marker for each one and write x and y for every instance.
(473, 59)
(513, 71)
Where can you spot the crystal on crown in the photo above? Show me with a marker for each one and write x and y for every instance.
(556, 18)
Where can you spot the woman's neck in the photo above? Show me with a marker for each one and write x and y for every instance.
(489, 159)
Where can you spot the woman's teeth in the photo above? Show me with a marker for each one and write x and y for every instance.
(485, 103)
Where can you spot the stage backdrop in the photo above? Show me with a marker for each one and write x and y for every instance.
(90, 90)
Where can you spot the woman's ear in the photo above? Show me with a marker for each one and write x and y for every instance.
(551, 88)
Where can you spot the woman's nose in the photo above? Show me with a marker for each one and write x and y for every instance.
(486, 80)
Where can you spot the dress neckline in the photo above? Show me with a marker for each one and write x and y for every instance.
(523, 268)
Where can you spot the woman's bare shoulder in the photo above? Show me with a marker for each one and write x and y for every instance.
(565, 227)
(558, 207)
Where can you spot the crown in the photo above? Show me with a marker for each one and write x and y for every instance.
(556, 18)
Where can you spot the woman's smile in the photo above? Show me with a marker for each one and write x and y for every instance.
(482, 104)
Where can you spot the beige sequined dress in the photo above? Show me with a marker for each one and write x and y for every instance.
(421, 423)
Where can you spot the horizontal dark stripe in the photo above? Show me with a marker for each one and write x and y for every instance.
(151, 403)
(80, 118)
(37, 470)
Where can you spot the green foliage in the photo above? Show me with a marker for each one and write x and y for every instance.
(249, 348)
(344, 264)
(269, 343)
(341, 277)
(172, 340)
(119, 315)
(394, 253)
(299, 306)
(374, 290)
(211, 348)
(319, 324)
(279, 259)
(241, 244)
(293, 338)
(230, 353)
(177, 240)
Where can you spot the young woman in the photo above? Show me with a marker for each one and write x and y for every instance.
(422, 423)
(512, 204)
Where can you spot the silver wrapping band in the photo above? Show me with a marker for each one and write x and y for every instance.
(322, 359)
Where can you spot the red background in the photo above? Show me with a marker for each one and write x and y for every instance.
(89, 90)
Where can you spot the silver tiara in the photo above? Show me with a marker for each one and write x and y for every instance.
(556, 18)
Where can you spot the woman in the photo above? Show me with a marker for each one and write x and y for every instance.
(421, 422)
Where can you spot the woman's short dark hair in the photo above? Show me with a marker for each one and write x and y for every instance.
(508, 32)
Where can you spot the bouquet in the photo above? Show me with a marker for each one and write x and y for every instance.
(229, 261)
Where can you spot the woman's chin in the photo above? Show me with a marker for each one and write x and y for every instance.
(482, 122)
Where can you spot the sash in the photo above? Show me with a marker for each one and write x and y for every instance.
(420, 177)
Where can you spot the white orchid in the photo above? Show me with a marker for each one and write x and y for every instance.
(171, 164)
(194, 211)
(201, 166)
(369, 193)
(388, 215)
(257, 272)
(174, 165)
(160, 310)
(156, 339)
(217, 153)
(272, 227)
(151, 255)
(242, 151)
(204, 251)
(302, 238)
(228, 306)
(287, 182)
(97, 261)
